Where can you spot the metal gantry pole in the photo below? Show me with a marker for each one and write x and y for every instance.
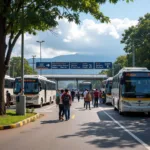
(40, 54)
(33, 62)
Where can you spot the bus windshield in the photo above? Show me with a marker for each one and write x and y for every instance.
(136, 86)
(83, 86)
(108, 87)
(31, 86)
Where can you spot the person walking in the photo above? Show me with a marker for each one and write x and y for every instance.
(88, 99)
(61, 106)
(8, 99)
(104, 97)
(84, 95)
(92, 95)
(66, 100)
(72, 94)
(96, 95)
(100, 97)
(78, 96)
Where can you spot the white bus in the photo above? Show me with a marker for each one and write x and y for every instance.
(131, 90)
(37, 89)
(103, 85)
(9, 85)
(108, 87)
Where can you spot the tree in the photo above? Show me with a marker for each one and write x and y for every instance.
(120, 62)
(15, 67)
(138, 38)
(20, 16)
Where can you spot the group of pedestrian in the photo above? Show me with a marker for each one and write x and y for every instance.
(97, 97)
(63, 100)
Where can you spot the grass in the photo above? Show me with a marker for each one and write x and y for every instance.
(11, 117)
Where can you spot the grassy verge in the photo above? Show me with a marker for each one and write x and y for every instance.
(11, 117)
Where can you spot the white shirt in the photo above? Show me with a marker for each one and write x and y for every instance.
(85, 92)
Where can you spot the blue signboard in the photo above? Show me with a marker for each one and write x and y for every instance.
(43, 65)
(81, 65)
(60, 65)
(103, 65)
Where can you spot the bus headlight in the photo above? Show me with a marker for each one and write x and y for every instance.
(126, 103)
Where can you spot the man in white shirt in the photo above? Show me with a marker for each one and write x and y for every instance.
(84, 94)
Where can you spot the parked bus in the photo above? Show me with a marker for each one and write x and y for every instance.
(9, 85)
(108, 87)
(103, 85)
(85, 85)
(37, 89)
(131, 90)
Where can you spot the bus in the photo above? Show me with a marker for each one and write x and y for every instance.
(85, 85)
(103, 85)
(37, 89)
(131, 90)
(108, 87)
(9, 85)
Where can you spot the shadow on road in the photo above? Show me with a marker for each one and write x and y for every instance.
(50, 121)
(105, 134)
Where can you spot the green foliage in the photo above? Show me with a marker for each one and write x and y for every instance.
(138, 38)
(15, 67)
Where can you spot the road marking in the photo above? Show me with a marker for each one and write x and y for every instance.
(130, 133)
(73, 116)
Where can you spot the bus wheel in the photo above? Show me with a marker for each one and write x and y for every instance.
(148, 114)
(41, 105)
(114, 105)
(50, 100)
(120, 112)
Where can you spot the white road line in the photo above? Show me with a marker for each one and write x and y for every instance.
(134, 136)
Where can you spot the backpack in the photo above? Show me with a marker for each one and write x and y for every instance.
(66, 99)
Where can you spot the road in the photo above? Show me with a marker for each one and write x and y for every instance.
(98, 128)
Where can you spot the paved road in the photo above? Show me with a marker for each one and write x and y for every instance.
(98, 128)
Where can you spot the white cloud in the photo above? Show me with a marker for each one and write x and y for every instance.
(88, 38)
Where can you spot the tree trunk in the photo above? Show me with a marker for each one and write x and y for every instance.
(3, 67)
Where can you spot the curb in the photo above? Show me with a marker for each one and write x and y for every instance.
(21, 123)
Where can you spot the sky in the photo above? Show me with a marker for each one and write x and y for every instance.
(90, 37)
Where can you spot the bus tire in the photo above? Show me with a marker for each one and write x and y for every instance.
(114, 105)
(41, 105)
(50, 101)
(120, 112)
(148, 114)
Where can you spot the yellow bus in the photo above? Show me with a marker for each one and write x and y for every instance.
(131, 90)
(108, 87)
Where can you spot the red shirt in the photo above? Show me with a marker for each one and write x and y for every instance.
(96, 94)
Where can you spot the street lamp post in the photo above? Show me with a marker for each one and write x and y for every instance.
(21, 101)
(33, 61)
(40, 53)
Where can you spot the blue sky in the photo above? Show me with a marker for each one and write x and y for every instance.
(90, 37)
(131, 10)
